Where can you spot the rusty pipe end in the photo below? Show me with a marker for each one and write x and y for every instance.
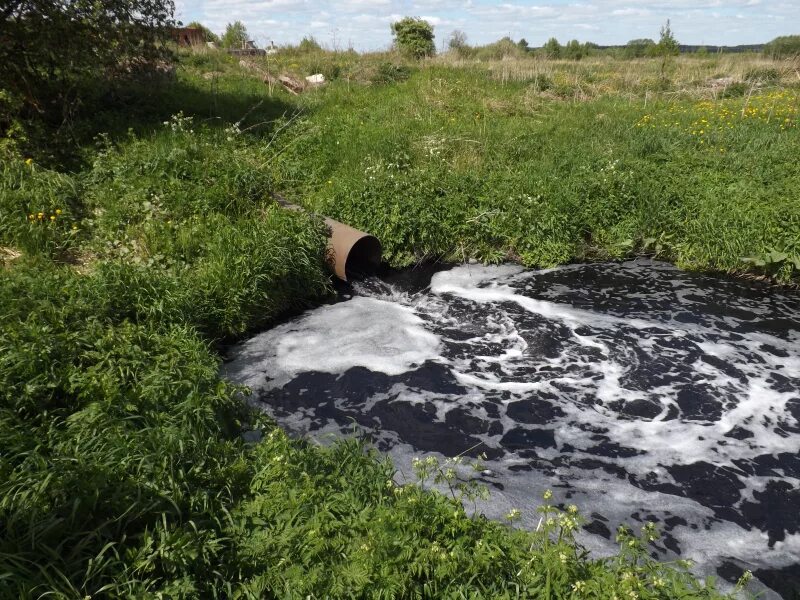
(353, 253)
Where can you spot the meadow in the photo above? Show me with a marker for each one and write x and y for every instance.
(546, 162)
(138, 242)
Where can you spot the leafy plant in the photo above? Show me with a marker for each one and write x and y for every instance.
(390, 73)
(235, 35)
(414, 37)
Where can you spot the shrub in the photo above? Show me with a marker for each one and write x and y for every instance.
(505, 47)
(552, 49)
(737, 89)
(390, 73)
(638, 48)
(414, 37)
(667, 44)
(308, 45)
(786, 46)
(574, 50)
(44, 62)
(766, 75)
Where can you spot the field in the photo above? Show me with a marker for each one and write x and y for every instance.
(136, 243)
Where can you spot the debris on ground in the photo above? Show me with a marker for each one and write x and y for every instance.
(317, 79)
(287, 82)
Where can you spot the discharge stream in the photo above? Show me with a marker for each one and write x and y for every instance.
(634, 390)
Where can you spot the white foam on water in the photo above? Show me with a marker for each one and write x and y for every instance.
(364, 332)
(503, 346)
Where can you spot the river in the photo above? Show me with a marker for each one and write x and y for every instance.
(635, 390)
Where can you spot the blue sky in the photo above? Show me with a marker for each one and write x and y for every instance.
(364, 24)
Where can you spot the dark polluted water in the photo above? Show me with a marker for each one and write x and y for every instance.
(634, 390)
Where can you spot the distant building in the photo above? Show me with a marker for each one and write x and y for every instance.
(189, 36)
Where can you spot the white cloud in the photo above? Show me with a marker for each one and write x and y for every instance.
(365, 23)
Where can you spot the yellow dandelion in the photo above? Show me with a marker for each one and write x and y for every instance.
(29, 161)
(58, 211)
(52, 217)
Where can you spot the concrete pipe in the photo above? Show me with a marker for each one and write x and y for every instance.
(353, 254)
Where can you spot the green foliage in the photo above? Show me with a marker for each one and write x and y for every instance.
(502, 48)
(235, 35)
(552, 49)
(639, 48)
(667, 44)
(120, 447)
(308, 44)
(45, 67)
(484, 175)
(208, 35)
(763, 75)
(574, 50)
(414, 37)
(737, 89)
(355, 532)
(388, 72)
(786, 46)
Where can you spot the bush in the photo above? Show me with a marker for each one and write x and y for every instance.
(737, 89)
(786, 46)
(552, 49)
(44, 63)
(764, 75)
(505, 47)
(574, 50)
(308, 45)
(414, 37)
(638, 48)
(390, 73)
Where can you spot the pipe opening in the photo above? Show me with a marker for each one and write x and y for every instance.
(364, 258)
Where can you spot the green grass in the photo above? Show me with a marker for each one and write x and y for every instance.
(453, 163)
(123, 468)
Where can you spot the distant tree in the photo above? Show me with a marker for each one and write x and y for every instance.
(235, 35)
(574, 50)
(506, 47)
(414, 36)
(552, 49)
(786, 46)
(457, 41)
(309, 44)
(667, 44)
(208, 35)
(702, 51)
(638, 48)
(523, 45)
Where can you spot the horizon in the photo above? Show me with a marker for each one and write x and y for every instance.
(364, 25)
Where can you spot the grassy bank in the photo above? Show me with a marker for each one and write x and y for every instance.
(458, 162)
(123, 468)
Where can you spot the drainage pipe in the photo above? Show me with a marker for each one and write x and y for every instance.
(352, 253)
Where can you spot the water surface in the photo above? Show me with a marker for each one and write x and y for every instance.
(634, 390)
